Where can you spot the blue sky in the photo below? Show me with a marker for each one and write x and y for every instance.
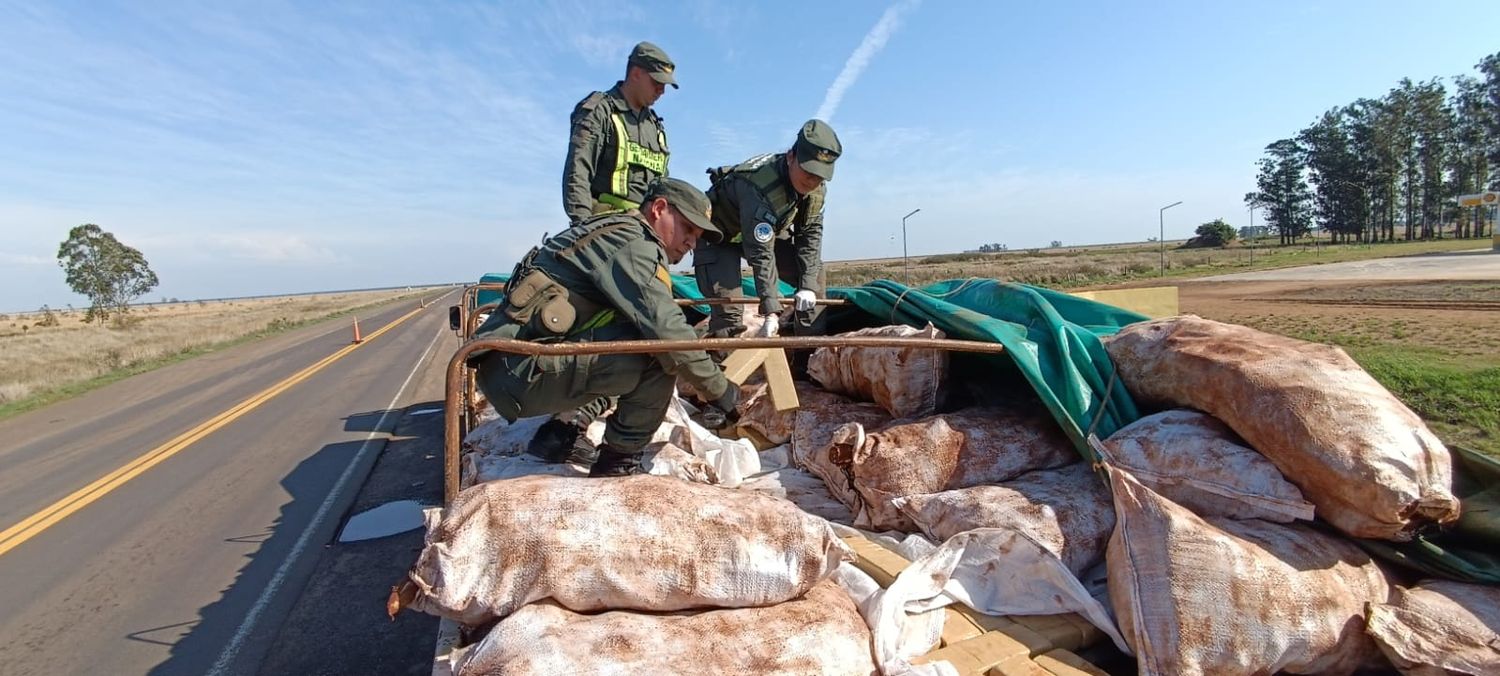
(270, 147)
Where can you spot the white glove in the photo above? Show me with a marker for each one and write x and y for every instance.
(770, 328)
(804, 300)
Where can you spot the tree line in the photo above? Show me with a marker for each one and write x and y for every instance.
(1388, 167)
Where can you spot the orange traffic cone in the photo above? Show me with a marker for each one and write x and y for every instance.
(357, 339)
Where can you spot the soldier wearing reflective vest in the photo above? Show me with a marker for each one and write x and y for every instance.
(618, 145)
(770, 209)
(606, 279)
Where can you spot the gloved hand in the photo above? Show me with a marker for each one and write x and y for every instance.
(771, 328)
(804, 300)
(721, 413)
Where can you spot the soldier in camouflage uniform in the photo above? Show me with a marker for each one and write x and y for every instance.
(770, 209)
(606, 279)
(618, 145)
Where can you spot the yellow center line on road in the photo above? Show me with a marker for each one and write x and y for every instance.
(12, 537)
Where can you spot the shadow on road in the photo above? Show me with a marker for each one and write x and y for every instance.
(326, 613)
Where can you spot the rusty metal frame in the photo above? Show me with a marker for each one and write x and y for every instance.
(456, 374)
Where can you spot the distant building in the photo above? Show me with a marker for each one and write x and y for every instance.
(1254, 231)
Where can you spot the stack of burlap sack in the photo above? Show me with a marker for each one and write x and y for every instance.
(637, 575)
(1202, 510)
(1200, 514)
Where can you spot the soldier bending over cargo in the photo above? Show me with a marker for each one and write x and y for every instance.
(605, 279)
(770, 209)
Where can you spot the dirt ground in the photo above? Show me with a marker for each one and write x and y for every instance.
(1459, 317)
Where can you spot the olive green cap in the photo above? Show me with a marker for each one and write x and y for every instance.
(817, 147)
(688, 199)
(654, 61)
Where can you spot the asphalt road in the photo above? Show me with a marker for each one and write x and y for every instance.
(1477, 264)
(193, 564)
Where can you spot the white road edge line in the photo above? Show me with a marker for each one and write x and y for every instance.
(232, 650)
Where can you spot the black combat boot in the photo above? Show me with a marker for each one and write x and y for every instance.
(555, 440)
(583, 452)
(616, 463)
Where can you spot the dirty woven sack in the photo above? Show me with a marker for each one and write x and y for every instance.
(1224, 596)
(640, 542)
(1065, 510)
(821, 633)
(906, 381)
(813, 444)
(1196, 461)
(971, 447)
(1440, 627)
(758, 412)
(1367, 462)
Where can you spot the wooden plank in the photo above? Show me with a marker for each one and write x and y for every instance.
(741, 363)
(779, 377)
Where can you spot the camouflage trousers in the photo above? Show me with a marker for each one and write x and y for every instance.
(717, 268)
(520, 386)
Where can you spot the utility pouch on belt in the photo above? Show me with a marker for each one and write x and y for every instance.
(537, 302)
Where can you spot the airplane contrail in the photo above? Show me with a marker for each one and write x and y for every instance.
(872, 44)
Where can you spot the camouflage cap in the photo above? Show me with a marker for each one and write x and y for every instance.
(817, 147)
(687, 199)
(654, 61)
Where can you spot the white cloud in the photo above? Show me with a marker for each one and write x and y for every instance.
(874, 41)
(271, 248)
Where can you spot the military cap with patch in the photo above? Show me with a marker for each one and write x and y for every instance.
(689, 200)
(654, 61)
(817, 147)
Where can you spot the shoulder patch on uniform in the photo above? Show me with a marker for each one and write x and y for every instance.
(664, 276)
(763, 232)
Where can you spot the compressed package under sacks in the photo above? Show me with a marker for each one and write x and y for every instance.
(813, 447)
(1368, 463)
(1065, 510)
(906, 381)
(970, 447)
(1227, 596)
(820, 633)
(639, 542)
(1196, 461)
(1440, 627)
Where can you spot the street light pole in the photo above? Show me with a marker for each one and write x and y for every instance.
(1161, 238)
(904, 270)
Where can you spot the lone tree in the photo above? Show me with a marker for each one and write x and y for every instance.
(1214, 233)
(108, 272)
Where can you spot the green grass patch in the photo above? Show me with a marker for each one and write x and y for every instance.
(1459, 397)
(276, 326)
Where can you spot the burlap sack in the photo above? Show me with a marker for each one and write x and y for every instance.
(1196, 461)
(1440, 627)
(971, 447)
(813, 447)
(821, 633)
(1065, 510)
(1224, 596)
(907, 382)
(758, 413)
(639, 542)
(1368, 463)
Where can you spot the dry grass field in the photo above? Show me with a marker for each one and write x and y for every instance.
(42, 363)
(1070, 267)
